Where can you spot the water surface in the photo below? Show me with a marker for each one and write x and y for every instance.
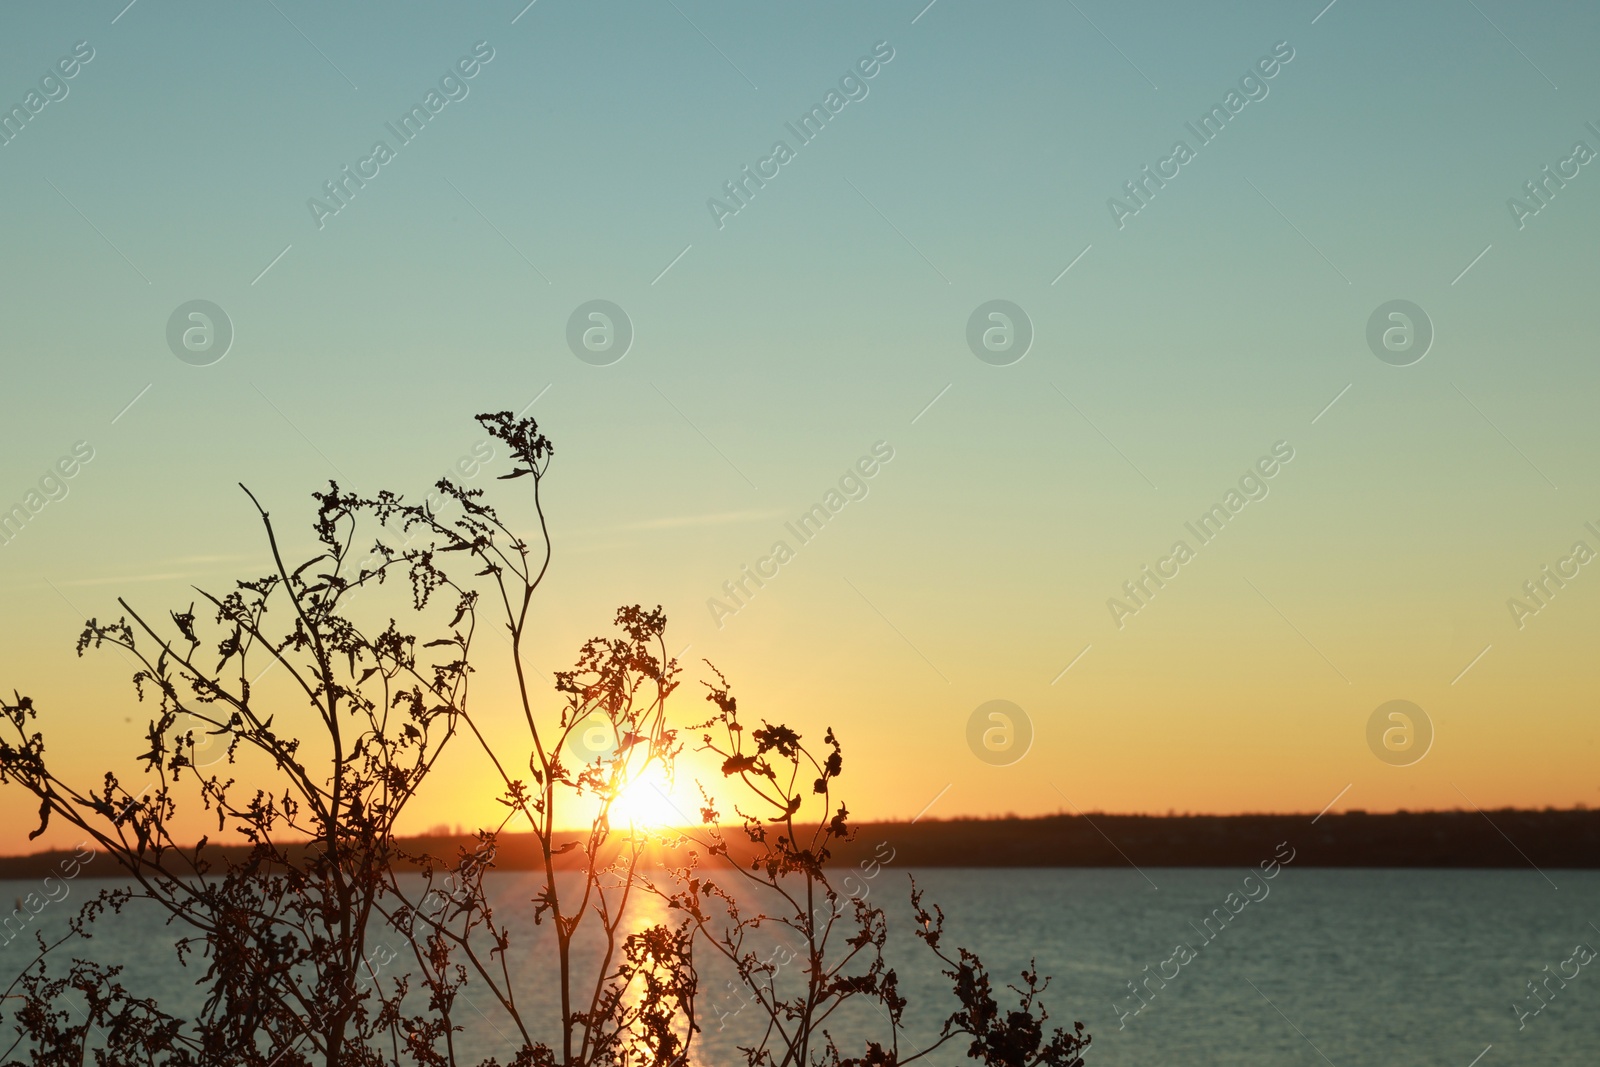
(1393, 967)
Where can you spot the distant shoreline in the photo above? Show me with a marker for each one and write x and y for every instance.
(1505, 839)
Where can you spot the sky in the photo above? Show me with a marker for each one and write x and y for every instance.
(1179, 334)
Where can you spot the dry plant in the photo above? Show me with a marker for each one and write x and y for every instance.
(288, 908)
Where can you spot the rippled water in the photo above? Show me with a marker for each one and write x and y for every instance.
(1389, 967)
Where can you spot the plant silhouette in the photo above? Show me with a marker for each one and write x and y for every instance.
(290, 908)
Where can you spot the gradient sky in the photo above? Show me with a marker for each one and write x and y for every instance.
(824, 317)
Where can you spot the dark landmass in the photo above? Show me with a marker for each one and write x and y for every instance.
(1497, 839)
(1507, 838)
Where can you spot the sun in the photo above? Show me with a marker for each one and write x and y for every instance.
(647, 802)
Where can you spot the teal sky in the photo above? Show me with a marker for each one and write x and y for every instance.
(824, 317)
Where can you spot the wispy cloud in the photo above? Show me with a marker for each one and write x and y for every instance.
(192, 567)
(128, 579)
(719, 518)
(228, 558)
